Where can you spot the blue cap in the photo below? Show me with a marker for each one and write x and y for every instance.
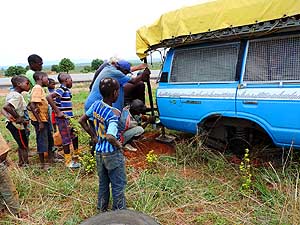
(124, 65)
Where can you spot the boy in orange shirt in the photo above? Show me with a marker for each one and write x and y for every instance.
(39, 118)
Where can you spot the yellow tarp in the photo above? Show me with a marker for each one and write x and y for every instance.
(211, 16)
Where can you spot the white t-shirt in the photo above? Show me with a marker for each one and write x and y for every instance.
(17, 100)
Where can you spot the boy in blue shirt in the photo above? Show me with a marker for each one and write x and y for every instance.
(109, 156)
(63, 111)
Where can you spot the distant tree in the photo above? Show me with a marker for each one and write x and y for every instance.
(65, 65)
(55, 68)
(96, 63)
(15, 70)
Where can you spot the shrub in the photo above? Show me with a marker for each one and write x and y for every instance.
(15, 70)
(96, 63)
(55, 68)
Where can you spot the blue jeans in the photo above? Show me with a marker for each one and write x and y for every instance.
(132, 132)
(111, 170)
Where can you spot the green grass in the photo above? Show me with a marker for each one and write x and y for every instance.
(194, 186)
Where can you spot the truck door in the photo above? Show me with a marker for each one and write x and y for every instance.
(201, 81)
(269, 93)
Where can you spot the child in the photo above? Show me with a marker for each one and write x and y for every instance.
(51, 85)
(40, 118)
(14, 109)
(35, 64)
(8, 194)
(109, 156)
(63, 110)
(130, 123)
(51, 89)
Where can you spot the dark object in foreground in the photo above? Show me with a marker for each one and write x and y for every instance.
(120, 217)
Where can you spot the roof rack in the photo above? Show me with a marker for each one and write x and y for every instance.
(259, 29)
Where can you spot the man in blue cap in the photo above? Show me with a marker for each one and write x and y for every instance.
(118, 71)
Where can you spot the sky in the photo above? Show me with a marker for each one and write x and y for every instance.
(75, 29)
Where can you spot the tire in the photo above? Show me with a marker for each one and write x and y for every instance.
(120, 217)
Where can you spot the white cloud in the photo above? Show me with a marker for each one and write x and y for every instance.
(75, 29)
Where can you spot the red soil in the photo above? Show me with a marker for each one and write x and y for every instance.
(145, 145)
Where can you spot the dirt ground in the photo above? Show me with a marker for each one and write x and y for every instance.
(145, 145)
(3, 92)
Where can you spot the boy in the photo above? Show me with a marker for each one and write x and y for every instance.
(35, 64)
(130, 123)
(8, 194)
(40, 118)
(51, 89)
(63, 110)
(14, 110)
(109, 156)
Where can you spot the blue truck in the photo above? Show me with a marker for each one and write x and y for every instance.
(238, 83)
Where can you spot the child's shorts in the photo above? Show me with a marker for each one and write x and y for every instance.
(19, 135)
(53, 118)
(65, 130)
(44, 139)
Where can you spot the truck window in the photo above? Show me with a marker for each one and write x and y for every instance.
(273, 59)
(213, 63)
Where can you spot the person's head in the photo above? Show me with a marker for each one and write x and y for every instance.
(137, 107)
(65, 79)
(41, 78)
(113, 60)
(35, 62)
(109, 88)
(51, 84)
(123, 66)
(20, 83)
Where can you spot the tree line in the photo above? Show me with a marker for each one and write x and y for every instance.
(65, 65)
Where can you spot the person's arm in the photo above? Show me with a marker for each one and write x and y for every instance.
(147, 120)
(139, 67)
(145, 76)
(83, 122)
(10, 109)
(50, 98)
(36, 112)
(111, 134)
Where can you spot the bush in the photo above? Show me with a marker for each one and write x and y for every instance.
(96, 63)
(15, 70)
(86, 69)
(55, 68)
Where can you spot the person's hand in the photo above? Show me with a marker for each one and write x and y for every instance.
(20, 120)
(41, 126)
(60, 114)
(95, 139)
(25, 122)
(146, 75)
(151, 119)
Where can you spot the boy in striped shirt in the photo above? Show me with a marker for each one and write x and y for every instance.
(63, 111)
(109, 156)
